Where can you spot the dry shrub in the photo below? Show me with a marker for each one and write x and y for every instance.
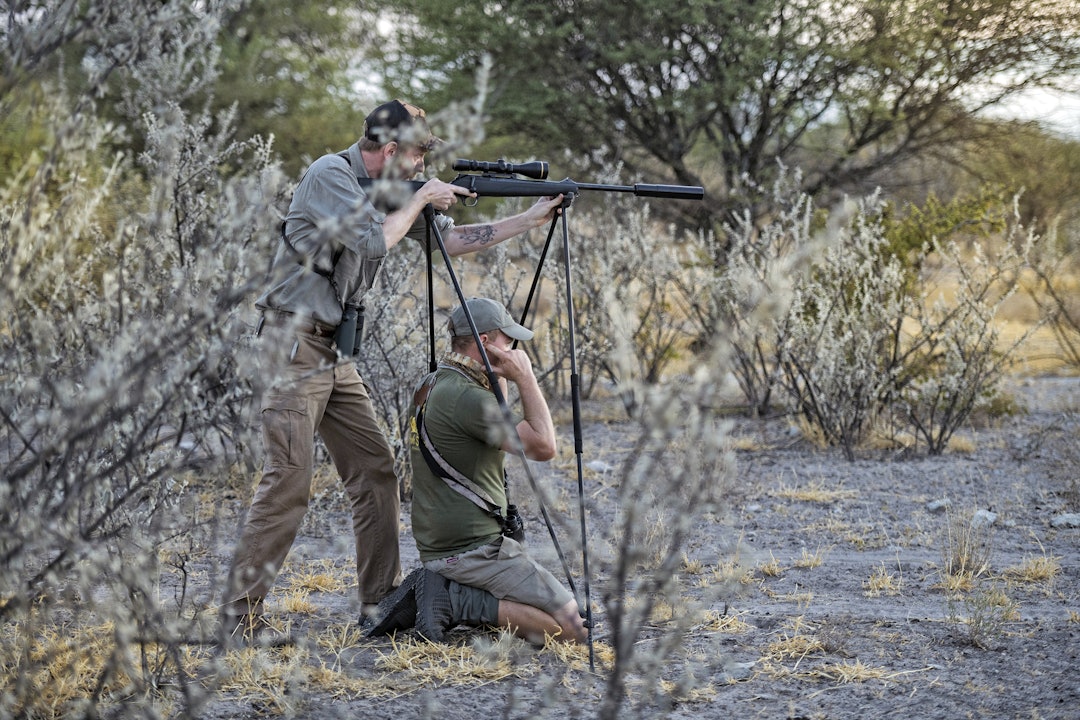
(748, 296)
(1054, 290)
(676, 473)
(127, 369)
(857, 345)
(981, 615)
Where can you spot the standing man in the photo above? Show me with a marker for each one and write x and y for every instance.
(333, 242)
(460, 445)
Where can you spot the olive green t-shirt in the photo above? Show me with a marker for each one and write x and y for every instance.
(464, 423)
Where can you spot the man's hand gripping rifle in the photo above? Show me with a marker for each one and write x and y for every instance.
(500, 179)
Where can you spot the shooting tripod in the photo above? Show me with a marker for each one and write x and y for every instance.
(498, 182)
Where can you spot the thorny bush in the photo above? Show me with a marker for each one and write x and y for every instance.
(127, 299)
(860, 340)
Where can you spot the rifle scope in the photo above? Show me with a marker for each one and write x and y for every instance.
(537, 170)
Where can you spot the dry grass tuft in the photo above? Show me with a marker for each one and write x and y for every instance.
(796, 643)
(68, 664)
(1034, 570)
(732, 572)
(747, 444)
(422, 663)
(961, 444)
(264, 677)
(957, 584)
(320, 582)
(811, 433)
(298, 601)
(815, 492)
(882, 582)
(966, 553)
(681, 694)
(810, 560)
(662, 612)
(339, 685)
(803, 599)
(692, 567)
(336, 639)
(728, 624)
(576, 657)
(846, 672)
(982, 615)
(770, 568)
(440, 664)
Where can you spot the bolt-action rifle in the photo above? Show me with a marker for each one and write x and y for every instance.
(498, 179)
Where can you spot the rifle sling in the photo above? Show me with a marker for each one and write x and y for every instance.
(438, 465)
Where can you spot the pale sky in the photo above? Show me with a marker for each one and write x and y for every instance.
(1058, 111)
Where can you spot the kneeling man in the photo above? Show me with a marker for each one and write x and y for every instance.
(460, 505)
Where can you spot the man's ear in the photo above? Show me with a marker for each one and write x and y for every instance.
(390, 149)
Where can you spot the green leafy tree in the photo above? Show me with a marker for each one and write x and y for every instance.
(280, 70)
(711, 91)
(290, 69)
(1044, 168)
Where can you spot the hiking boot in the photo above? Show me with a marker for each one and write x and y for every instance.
(434, 615)
(396, 611)
(368, 612)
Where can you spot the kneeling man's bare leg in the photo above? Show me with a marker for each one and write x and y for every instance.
(532, 624)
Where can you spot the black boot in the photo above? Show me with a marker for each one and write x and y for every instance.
(442, 604)
(397, 611)
(434, 615)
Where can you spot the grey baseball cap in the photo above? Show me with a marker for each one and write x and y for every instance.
(488, 315)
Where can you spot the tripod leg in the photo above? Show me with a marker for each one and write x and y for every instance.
(575, 394)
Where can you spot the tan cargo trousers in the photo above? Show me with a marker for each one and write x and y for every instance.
(336, 404)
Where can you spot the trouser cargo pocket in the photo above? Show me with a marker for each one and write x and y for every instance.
(287, 430)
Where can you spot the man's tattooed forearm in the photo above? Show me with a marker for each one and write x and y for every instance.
(478, 234)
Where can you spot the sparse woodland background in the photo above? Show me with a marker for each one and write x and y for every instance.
(875, 253)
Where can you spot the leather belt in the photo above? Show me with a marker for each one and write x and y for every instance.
(309, 326)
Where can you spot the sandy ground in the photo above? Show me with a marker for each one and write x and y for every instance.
(835, 604)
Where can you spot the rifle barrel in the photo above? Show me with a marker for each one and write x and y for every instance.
(673, 192)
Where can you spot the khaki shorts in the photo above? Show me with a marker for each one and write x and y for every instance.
(505, 570)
